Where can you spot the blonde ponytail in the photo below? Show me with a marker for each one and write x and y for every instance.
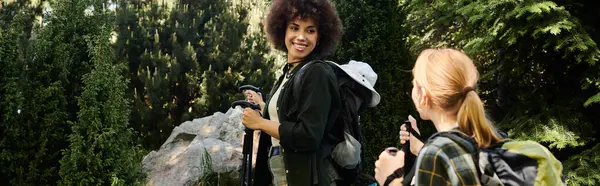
(472, 120)
(449, 77)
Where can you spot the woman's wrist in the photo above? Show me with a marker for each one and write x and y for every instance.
(262, 124)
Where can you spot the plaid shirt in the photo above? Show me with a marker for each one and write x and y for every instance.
(444, 162)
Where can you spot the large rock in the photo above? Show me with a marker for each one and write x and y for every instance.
(179, 161)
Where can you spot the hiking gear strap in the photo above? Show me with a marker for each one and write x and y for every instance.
(471, 146)
(398, 173)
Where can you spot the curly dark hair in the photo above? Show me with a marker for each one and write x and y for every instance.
(323, 12)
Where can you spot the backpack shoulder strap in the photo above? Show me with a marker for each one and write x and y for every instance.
(468, 143)
(465, 141)
(301, 71)
(296, 79)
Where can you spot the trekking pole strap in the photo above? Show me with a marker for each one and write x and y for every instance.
(398, 173)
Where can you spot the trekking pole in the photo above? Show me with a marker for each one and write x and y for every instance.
(409, 157)
(246, 170)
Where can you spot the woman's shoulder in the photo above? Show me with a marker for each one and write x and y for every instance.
(443, 145)
(318, 65)
(443, 162)
(316, 69)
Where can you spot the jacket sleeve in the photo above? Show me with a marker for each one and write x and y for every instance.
(313, 108)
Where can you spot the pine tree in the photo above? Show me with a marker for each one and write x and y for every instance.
(14, 42)
(33, 109)
(101, 149)
(173, 52)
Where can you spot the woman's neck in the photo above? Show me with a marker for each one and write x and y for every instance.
(292, 59)
(293, 62)
(293, 65)
(444, 122)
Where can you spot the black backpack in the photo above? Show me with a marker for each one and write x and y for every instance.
(511, 162)
(353, 101)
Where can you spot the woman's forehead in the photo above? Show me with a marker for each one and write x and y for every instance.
(304, 21)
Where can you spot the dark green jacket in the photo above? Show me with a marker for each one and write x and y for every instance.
(305, 116)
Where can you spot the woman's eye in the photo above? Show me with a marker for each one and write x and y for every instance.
(294, 28)
(312, 31)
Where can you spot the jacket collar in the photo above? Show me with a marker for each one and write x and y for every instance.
(310, 57)
(285, 69)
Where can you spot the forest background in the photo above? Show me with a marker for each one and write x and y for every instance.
(87, 87)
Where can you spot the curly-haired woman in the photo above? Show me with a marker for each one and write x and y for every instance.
(293, 149)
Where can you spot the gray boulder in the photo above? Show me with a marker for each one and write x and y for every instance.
(181, 159)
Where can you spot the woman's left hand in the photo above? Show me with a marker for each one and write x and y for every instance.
(387, 164)
(252, 119)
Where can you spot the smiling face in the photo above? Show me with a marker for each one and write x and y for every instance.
(301, 37)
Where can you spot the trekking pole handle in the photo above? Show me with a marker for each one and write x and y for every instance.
(392, 150)
(249, 87)
(244, 104)
(406, 146)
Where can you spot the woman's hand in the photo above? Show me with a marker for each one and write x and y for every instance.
(387, 164)
(252, 119)
(255, 97)
(415, 144)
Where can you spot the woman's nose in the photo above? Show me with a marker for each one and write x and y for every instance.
(301, 37)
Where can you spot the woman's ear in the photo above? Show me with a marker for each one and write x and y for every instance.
(424, 99)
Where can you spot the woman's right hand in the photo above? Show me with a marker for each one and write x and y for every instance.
(255, 97)
(415, 144)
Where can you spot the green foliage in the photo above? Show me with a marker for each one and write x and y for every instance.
(32, 102)
(551, 132)
(593, 99)
(582, 169)
(208, 177)
(65, 105)
(101, 149)
(187, 61)
(12, 39)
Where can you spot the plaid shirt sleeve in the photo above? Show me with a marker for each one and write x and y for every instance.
(444, 162)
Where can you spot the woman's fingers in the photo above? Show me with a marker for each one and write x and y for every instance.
(413, 123)
(253, 96)
(403, 135)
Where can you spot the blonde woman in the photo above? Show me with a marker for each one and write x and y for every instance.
(443, 91)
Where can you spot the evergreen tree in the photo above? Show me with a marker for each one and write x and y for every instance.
(14, 36)
(186, 61)
(50, 68)
(31, 114)
(101, 149)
